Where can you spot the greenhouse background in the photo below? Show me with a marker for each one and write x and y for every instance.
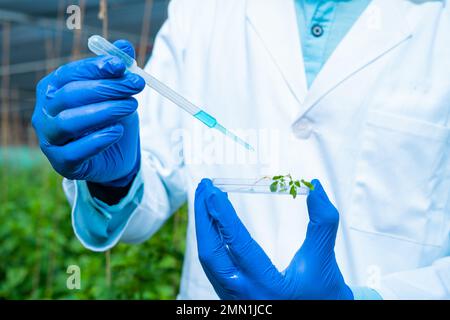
(37, 244)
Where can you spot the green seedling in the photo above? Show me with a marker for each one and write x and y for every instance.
(287, 183)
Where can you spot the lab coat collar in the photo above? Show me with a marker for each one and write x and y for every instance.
(380, 28)
(275, 22)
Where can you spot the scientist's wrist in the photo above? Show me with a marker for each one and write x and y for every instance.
(112, 192)
(108, 194)
(365, 293)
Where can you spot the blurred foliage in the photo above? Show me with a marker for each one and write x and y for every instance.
(37, 244)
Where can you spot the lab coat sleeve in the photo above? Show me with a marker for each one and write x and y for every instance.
(159, 188)
(427, 283)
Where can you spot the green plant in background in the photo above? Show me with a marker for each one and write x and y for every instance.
(287, 183)
(37, 244)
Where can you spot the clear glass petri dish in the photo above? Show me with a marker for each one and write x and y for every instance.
(256, 185)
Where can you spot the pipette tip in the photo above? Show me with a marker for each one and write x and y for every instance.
(234, 137)
(243, 143)
(249, 147)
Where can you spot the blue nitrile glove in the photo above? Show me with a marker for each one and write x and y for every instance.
(86, 120)
(237, 266)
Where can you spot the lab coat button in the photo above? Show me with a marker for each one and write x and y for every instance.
(303, 129)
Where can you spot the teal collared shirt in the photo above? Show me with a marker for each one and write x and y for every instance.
(322, 25)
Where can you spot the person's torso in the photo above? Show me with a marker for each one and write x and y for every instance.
(374, 128)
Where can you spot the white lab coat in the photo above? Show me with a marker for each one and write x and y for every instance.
(374, 128)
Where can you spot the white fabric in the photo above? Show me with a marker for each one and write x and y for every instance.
(374, 128)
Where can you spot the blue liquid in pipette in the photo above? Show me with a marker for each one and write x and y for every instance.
(211, 122)
(207, 119)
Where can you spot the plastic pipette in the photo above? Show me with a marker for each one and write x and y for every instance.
(101, 46)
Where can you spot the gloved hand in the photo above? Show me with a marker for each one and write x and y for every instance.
(86, 119)
(237, 266)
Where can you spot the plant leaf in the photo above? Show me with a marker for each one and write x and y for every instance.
(308, 184)
(293, 192)
(274, 187)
